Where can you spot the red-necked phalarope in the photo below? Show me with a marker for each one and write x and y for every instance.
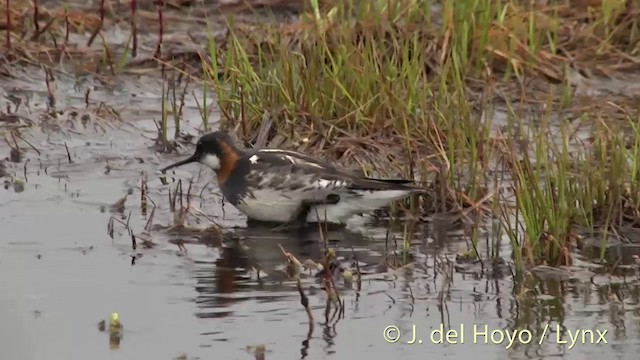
(282, 186)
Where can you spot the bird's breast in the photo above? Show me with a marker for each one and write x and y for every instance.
(268, 204)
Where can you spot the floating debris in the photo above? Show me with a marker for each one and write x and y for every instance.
(118, 206)
(257, 351)
(115, 330)
(18, 185)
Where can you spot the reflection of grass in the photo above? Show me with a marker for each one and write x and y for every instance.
(358, 78)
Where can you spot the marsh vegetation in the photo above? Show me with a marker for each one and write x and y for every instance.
(521, 119)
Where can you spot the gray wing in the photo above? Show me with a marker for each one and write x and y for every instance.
(294, 176)
(298, 172)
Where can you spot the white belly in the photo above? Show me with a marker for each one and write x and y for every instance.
(283, 207)
(352, 205)
(269, 207)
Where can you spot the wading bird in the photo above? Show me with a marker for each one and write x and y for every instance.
(286, 187)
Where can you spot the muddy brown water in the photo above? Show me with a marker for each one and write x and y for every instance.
(61, 272)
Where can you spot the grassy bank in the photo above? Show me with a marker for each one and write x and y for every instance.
(420, 87)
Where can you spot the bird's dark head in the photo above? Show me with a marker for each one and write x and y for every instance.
(215, 150)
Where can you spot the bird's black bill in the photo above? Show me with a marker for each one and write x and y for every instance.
(193, 158)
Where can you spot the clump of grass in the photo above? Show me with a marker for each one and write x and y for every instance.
(403, 82)
(545, 189)
(566, 188)
(610, 196)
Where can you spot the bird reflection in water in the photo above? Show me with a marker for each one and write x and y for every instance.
(243, 253)
(233, 277)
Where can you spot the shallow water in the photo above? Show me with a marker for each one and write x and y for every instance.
(192, 294)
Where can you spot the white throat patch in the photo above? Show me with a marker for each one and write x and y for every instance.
(211, 161)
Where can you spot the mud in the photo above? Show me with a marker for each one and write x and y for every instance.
(67, 259)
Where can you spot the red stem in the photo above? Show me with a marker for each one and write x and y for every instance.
(9, 27)
(95, 33)
(66, 26)
(35, 16)
(134, 7)
(158, 53)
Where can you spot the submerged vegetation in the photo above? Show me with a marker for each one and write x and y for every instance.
(481, 91)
